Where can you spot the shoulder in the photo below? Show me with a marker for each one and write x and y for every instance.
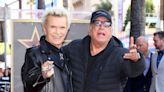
(121, 50)
(32, 50)
(79, 42)
(117, 42)
(118, 45)
(73, 44)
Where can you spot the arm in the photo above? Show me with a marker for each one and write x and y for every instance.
(31, 71)
(132, 55)
(133, 69)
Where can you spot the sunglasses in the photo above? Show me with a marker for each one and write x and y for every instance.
(103, 23)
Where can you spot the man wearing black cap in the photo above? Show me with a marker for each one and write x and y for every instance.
(99, 63)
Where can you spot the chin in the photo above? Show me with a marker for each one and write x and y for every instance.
(58, 43)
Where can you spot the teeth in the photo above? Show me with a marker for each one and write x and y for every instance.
(101, 34)
(57, 37)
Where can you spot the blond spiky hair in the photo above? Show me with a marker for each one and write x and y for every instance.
(60, 12)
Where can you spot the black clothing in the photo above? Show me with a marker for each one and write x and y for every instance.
(140, 83)
(110, 71)
(159, 57)
(31, 74)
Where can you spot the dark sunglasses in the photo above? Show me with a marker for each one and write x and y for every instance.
(104, 23)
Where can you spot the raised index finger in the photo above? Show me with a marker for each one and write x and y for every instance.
(131, 42)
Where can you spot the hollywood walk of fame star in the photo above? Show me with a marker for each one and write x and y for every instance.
(34, 41)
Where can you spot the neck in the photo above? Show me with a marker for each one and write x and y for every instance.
(58, 46)
(146, 53)
(55, 45)
(162, 48)
(96, 48)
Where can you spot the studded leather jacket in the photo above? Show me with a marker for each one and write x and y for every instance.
(31, 74)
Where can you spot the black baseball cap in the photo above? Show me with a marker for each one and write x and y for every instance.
(100, 13)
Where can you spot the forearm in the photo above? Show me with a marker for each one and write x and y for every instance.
(31, 72)
(33, 76)
(134, 69)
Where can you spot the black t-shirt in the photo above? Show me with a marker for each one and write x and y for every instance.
(91, 71)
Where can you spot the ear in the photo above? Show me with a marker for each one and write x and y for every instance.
(162, 39)
(110, 28)
(89, 31)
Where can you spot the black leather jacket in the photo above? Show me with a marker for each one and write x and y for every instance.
(31, 69)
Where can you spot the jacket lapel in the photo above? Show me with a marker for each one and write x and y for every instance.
(154, 62)
(161, 64)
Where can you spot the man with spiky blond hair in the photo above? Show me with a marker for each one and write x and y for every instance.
(45, 69)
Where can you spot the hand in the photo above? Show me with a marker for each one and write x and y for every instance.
(47, 69)
(133, 54)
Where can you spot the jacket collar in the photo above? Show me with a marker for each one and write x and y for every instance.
(50, 50)
(86, 47)
(114, 42)
(46, 47)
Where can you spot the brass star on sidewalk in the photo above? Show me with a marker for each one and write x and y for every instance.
(34, 41)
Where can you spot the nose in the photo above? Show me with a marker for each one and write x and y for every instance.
(101, 26)
(56, 31)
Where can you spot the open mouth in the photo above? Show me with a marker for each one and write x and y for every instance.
(101, 34)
